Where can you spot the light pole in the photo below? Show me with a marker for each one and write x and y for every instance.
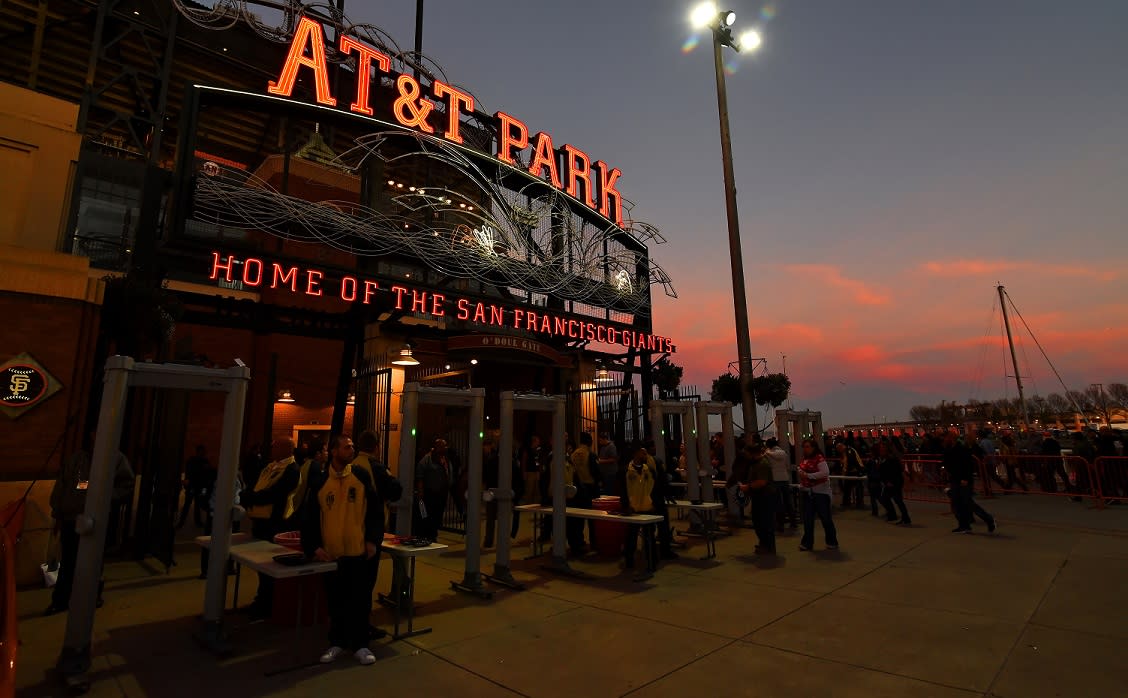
(720, 23)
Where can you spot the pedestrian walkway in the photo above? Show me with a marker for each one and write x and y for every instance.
(1033, 610)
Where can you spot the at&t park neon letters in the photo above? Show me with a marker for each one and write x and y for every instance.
(256, 273)
(568, 168)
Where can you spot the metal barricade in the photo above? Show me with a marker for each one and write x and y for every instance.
(1056, 476)
(925, 478)
(1111, 475)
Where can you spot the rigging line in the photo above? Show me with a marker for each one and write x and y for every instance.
(1029, 368)
(982, 363)
(1044, 354)
(1003, 354)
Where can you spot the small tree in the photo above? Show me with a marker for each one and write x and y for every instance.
(925, 415)
(667, 377)
(726, 388)
(1117, 395)
(771, 389)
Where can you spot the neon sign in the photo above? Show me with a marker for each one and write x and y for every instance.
(567, 168)
(255, 273)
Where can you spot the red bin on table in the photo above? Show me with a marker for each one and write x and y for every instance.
(609, 535)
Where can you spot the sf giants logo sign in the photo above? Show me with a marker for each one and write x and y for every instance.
(21, 386)
(567, 168)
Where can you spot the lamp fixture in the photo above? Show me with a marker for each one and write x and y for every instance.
(602, 375)
(285, 396)
(405, 357)
(351, 400)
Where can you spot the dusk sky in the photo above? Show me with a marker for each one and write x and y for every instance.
(895, 159)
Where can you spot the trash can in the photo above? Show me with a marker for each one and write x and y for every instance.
(609, 536)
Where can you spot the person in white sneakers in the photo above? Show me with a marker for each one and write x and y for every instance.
(345, 526)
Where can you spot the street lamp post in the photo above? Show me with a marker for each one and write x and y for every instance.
(720, 23)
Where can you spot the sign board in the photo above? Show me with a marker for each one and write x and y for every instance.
(24, 383)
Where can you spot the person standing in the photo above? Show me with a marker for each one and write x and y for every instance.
(637, 497)
(1052, 465)
(586, 489)
(759, 487)
(68, 502)
(960, 466)
(432, 487)
(529, 459)
(608, 459)
(852, 467)
(199, 479)
(385, 488)
(814, 494)
(738, 474)
(209, 521)
(892, 475)
(266, 504)
(491, 469)
(661, 496)
(781, 478)
(346, 526)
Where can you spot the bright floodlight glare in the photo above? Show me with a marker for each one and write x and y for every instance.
(730, 18)
(750, 40)
(703, 15)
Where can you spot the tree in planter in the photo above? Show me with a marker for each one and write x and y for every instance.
(667, 377)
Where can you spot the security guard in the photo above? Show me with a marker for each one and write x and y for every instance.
(345, 526)
(268, 506)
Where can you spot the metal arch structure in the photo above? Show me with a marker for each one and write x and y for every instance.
(659, 409)
(792, 426)
(525, 235)
(473, 400)
(728, 438)
(121, 374)
(516, 242)
(556, 405)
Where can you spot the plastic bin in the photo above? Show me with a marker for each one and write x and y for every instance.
(609, 536)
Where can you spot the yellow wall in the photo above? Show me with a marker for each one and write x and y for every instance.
(38, 150)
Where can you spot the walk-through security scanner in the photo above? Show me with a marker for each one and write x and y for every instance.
(693, 475)
(121, 374)
(792, 426)
(511, 402)
(728, 439)
(473, 400)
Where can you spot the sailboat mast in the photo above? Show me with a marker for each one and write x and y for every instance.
(1014, 358)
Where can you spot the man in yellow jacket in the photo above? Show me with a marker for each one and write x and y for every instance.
(345, 525)
(637, 498)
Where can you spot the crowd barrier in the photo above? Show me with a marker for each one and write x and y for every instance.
(1101, 481)
(925, 479)
(1111, 475)
(1040, 475)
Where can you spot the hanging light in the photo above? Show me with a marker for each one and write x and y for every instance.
(285, 396)
(405, 357)
(351, 400)
(602, 375)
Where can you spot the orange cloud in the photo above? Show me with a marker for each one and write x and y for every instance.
(830, 275)
(985, 267)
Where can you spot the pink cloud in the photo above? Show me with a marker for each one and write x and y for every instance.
(863, 293)
(986, 267)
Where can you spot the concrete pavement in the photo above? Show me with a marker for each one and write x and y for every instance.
(1034, 610)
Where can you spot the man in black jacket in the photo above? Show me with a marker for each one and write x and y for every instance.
(267, 502)
(892, 476)
(385, 489)
(960, 466)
